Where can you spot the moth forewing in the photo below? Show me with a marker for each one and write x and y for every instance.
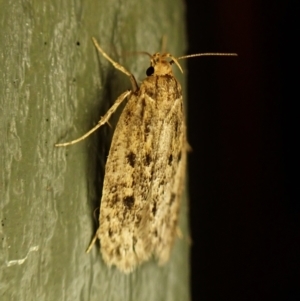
(145, 168)
(140, 198)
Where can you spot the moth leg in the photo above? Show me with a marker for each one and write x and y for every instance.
(92, 243)
(102, 121)
(117, 66)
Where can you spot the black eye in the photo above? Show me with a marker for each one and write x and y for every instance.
(150, 71)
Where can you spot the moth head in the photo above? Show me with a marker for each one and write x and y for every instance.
(161, 64)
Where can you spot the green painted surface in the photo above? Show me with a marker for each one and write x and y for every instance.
(53, 88)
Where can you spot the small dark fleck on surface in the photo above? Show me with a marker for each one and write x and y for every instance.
(78, 43)
(170, 160)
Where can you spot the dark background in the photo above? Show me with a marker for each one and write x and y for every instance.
(242, 126)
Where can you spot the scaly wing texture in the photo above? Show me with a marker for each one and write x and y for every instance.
(166, 190)
(141, 190)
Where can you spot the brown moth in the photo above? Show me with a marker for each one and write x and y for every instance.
(145, 168)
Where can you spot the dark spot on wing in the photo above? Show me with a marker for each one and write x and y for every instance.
(147, 160)
(131, 158)
(147, 128)
(128, 201)
(155, 233)
(176, 127)
(138, 219)
(179, 156)
(170, 160)
(117, 252)
(115, 199)
(173, 196)
(110, 232)
(151, 93)
(154, 209)
(134, 240)
(143, 106)
(129, 114)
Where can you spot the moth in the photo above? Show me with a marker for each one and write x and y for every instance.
(145, 168)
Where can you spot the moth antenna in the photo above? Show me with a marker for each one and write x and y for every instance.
(206, 54)
(173, 60)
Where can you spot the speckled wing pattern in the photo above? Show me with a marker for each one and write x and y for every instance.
(143, 176)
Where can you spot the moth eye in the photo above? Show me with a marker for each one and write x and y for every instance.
(150, 71)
